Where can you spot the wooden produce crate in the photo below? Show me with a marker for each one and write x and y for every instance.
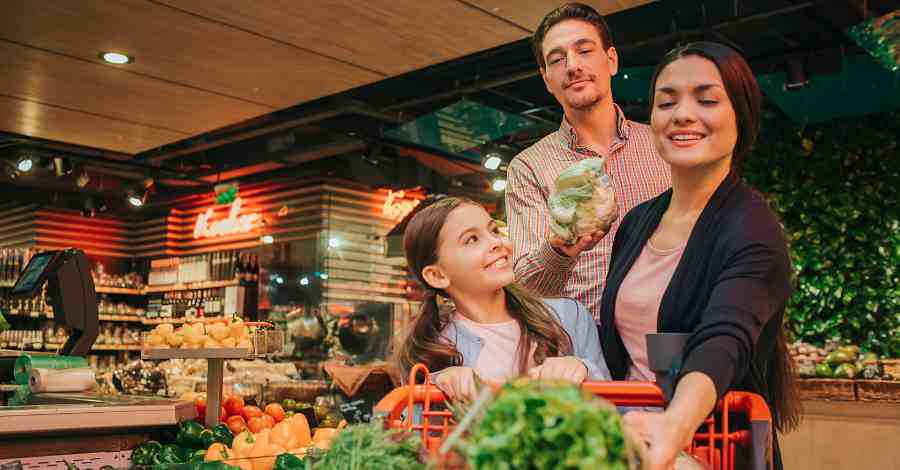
(878, 390)
(827, 389)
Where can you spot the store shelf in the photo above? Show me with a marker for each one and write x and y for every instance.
(129, 318)
(191, 286)
(102, 317)
(157, 321)
(118, 290)
(116, 347)
(96, 347)
(212, 353)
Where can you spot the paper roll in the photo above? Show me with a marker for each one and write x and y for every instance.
(62, 380)
(26, 363)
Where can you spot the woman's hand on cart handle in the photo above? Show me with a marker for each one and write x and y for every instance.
(668, 433)
(566, 368)
(660, 436)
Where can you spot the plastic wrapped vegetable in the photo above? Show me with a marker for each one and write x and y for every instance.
(582, 201)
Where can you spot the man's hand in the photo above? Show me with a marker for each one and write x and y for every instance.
(566, 368)
(584, 243)
(663, 437)
(458, 383)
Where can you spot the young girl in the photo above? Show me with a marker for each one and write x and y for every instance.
(495, 330)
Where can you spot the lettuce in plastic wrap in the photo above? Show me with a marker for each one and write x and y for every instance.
(582, 201)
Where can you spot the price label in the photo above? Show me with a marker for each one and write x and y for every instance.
(358, 411)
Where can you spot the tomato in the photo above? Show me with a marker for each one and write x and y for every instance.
(268, 419)
(200, 402)
(223, 415)
(251, 412)
(258, 424)
(276, 411)
(236, 424)
(234, 404)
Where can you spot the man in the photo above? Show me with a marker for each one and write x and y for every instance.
(577, 61)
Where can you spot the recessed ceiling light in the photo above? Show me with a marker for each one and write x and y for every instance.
(116, 58)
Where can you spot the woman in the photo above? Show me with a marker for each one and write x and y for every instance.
(708, 257)
(495, 330)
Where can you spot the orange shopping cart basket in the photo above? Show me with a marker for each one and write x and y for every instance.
(741, 419)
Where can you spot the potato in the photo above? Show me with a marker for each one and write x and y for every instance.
(154, 340)
(237, 330)
(175, 340)
(193, 336)
(199, 328)
(229, 343)
(210, 343)
(245, 344)
(190, 345)
(218, 331)
(165, 329)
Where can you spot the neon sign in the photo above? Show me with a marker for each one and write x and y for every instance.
(396, 206)
(231, 225)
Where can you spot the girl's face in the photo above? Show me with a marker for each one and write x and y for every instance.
(693, 121)
(473, 257)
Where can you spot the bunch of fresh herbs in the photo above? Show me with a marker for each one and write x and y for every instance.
(370, 446)
(548, 425)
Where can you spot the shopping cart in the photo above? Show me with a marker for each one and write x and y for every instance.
(740, 418)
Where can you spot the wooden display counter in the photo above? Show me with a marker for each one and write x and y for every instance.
(844, 435)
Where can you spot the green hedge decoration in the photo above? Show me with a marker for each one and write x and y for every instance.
(836, 189)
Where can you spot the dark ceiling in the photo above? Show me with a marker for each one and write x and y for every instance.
(321, 137)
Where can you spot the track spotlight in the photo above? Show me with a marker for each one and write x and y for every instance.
(137, 198)
(25, 163)
(499, 185)
(495, 157)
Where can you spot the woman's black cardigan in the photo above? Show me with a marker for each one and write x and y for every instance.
(728, 291)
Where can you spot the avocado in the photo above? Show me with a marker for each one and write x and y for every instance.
(823, 371)
(838, 357)
(845, 371)
(850, 350)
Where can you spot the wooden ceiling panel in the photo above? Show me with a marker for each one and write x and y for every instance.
(63, 81)
(176, 46)
(388, 36)
(49, 122)
(529, 14)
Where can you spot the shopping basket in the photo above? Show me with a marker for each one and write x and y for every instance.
(740, 418)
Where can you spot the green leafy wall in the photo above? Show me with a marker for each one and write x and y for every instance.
(836, 188)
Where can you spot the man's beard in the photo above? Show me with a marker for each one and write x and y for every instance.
(584, 103)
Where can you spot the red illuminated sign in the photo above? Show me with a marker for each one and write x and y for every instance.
(398, 205)
(234, 224)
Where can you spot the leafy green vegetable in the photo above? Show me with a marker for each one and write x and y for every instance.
(582, 201)
(369, 445)
(548, 425)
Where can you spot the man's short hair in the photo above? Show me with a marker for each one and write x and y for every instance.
(569, 11)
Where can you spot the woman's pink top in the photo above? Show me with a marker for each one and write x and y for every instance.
(637, 307)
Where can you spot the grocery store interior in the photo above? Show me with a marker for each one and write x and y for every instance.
(203, 202)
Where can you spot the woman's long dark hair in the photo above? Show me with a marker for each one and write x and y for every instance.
(424, 343)
(746, 99)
